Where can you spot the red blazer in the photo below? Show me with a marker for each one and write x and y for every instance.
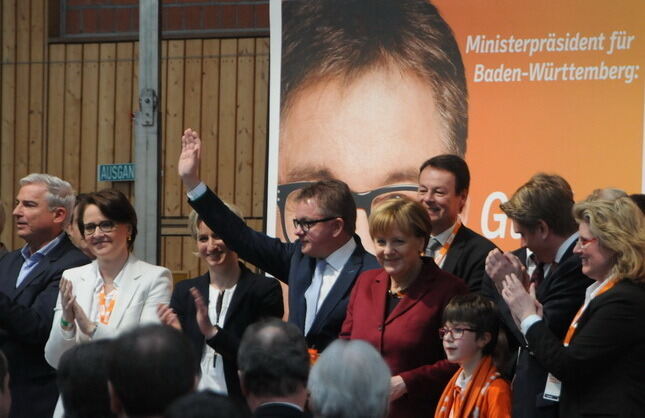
(408, 339)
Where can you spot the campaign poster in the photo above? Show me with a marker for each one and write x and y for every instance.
(554, 86)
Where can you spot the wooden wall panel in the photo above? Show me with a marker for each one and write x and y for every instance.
(7, 110)
(89, 118)
(56, 111)
(37, 85)
(123, 137)
(21, 156)
(65, 108)
(227, 117)
(244, 125)
(210, 111)
(260, 123)
(72, 122)
(107, 98)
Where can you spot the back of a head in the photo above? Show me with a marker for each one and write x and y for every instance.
(149, 367)
(344, 39)
(204, 404)
(273, 359)
(546, 197)
(82, 380)
(350, 379)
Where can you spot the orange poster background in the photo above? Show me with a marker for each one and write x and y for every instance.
(590, 132)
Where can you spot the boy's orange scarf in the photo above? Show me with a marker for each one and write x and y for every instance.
(472, 397)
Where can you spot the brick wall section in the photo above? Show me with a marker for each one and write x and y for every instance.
(199, 18)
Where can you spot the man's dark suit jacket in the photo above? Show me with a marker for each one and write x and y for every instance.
(26, 315)
(286, 262)
(603, 368)
(466, 257)
(407, 338)
(277, 410)
(561, 294)
(255, 297)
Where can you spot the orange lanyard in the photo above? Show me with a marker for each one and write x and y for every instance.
(574, 324)
(446, 246)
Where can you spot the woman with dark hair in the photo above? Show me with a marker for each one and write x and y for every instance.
(114, 293)
(398, 308)
(214, 309)
(600, 363)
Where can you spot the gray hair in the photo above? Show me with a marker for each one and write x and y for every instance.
(350, 379)
(60, 193)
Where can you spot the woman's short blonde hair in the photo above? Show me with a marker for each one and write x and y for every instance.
(194, 219)
(408, 216)
(619, 226)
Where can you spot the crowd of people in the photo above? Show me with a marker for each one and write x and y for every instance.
(437, 322)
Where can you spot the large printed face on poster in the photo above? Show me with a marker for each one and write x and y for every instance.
(368, 90)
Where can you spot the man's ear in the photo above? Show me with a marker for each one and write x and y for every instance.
(463, 197)
(115, 403)
(484, 340)
(245, 392)
(339, 226)
(542, 229)
(60, 214)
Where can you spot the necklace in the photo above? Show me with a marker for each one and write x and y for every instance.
(399, 293)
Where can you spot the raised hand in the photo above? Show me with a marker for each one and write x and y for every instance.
(520, 302)
(203, 321)
(86, 326)
(167, 316)
(67, 300)
(499, 265)
(188, 165)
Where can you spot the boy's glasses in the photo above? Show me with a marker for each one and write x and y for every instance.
(455, 333)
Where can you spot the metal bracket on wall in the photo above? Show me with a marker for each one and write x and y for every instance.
(148, 106)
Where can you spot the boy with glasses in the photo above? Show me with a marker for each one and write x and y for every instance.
(469, 336)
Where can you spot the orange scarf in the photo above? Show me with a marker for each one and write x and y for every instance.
(464, 403)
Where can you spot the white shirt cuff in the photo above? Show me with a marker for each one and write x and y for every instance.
(528, 322)
(197, 192)
(68, 334)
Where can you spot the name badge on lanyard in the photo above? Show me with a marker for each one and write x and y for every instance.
(552, 388)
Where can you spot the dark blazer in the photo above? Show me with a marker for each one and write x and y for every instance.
(603, 368)
(255, 297)
(408, 339)
(561, 293)
(276, 410)
(26, 316)
(466, 257)
(286, 262)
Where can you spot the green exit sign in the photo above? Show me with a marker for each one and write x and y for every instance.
(116, 172)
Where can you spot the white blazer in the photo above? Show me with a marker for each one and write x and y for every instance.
(144, 286)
